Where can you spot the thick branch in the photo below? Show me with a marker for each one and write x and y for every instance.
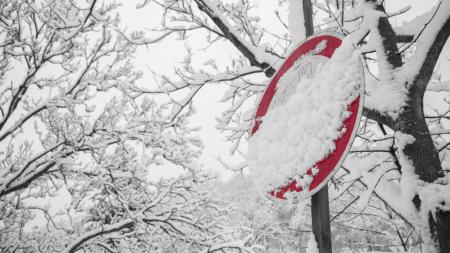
(28, 179)
(389, 45)
(417, 72)
(17, 97)
(237, 42)
(404, 38)
(21, 121)
(379, 117)
(432, 55)
(96, 232)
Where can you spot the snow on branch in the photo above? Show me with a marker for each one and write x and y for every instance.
(192, 82)
(73, 247)
(257, 55)
(419, 68)
(296, 21)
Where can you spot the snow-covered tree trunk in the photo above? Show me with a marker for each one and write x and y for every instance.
(419, 152)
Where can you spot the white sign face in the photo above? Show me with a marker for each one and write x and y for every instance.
(305, 67)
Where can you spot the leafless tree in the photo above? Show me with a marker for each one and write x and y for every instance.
(75, 124)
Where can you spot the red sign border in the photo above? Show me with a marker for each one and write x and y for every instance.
(303, 195)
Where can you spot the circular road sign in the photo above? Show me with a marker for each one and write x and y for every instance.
(311, 52)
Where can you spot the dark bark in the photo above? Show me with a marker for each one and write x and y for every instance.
(427, 166)
(389, 44)
(432, 56)
(307, 14)
(18, 183)
(411, 120)
(440, 229)
(320, 215)
(74, 246)
(422, 152)
(379, 117)
(23, 185)
(268, 70)
(404, 38)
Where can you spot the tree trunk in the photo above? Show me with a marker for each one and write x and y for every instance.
(425, 159)
(421, 152)
(411, 120)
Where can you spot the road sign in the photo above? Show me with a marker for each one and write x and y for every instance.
(305, 59)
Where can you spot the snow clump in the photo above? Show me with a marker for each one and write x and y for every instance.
(312, 245)
(297, 133)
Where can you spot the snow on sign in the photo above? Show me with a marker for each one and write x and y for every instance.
(307, 118)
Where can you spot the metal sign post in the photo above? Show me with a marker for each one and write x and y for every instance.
(320, 209)
(320, 213)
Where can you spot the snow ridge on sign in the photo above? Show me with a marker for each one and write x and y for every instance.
(301, 131)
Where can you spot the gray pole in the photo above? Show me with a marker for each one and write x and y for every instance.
(320, 210)
(320, 214)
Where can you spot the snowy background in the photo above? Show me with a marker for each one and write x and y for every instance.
(128, 134)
